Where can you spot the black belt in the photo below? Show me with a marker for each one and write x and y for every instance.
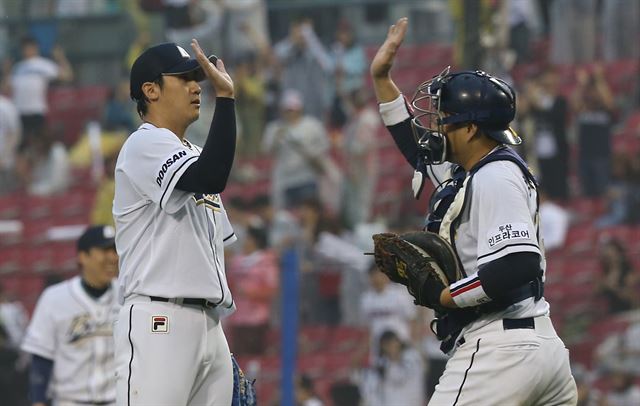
(185, 301)
(513, 324)
(89, 402)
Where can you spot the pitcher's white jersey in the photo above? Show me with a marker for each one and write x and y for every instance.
(75, 331)
(170, 242)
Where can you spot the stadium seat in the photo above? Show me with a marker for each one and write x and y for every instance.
(36, 207)
(10, 206)
(38, 259)
(64, 256)
(580, 238)
(346, 338)
(11, 258)
(314, 338)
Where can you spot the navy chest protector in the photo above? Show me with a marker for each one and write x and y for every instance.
(442, 200)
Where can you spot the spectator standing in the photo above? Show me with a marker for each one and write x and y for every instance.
(30, 82)
(549, 111)
(360, 149)
(349, 59)
(71, 332)
(250, 100)
(44, 168)
(618, 283)
(554, 222)
(305, 64)
(619, 194)
(253, 276)
(281, 225)
(10, 136)
(349, 65)
(343, 265)
(299, 143)
(386, 307)
(593, 106)
(398, 376)
(619, 20)
(522, 19)
(238, 14)
(573, 31)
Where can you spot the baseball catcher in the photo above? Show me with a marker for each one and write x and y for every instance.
(422, 261)
(480, 264)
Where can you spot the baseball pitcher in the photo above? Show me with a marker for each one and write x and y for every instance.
(171, 229)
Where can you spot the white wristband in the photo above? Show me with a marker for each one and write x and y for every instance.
(394, 112)
(468, 292)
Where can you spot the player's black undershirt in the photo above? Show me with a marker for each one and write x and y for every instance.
(211, 170)
(93, 292)
(39, 377)
(509, 272)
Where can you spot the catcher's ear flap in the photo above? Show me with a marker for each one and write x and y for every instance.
(440, 250)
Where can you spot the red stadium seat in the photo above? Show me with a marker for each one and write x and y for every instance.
(11, 258)
(38, 259)
(348, 338)
(10, 206)
(581, 238)
(72, 107)
(64, 256)
(36, 207)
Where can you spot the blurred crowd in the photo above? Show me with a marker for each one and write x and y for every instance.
(310, 132)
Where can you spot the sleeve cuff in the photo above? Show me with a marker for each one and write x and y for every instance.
(36, 349)
(468, 292)
(394, 112)
(230, 239)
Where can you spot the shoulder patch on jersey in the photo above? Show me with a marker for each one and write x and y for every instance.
(508, 232)
(167, 164)
(210, 201)
(159, 324)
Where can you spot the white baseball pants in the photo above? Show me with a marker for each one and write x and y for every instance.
(168, 354)
(502, 367)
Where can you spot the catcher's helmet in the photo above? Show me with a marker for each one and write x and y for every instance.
(467, 97)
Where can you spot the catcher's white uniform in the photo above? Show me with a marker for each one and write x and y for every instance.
(507, 357)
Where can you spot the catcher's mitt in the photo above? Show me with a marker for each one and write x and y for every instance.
(422, 261)
(244, 393)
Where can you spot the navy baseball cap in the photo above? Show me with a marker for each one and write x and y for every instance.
(163, 59)
(97, 237)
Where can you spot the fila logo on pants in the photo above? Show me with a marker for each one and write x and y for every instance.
(159, 324)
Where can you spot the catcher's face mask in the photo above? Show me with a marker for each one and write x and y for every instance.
(427, 124)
